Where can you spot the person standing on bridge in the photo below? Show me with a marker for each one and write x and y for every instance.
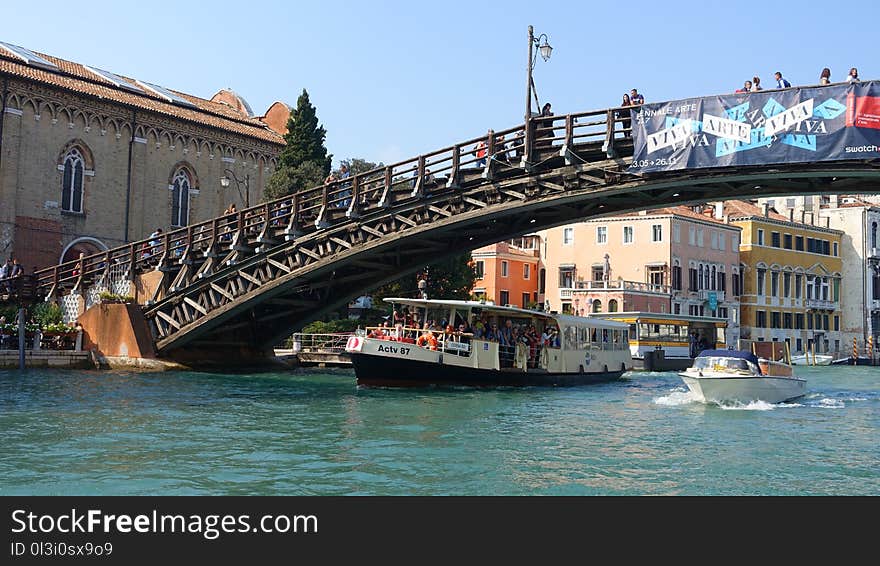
(345, 193)
(781, 82)
(853, 76)
(825, 77)
(756, 83)
(636, 98)
(625, 116)
(480, 153)
(747, 88)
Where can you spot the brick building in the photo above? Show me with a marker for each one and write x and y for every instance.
(90, 159)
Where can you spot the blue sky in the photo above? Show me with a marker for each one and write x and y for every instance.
(394, 79)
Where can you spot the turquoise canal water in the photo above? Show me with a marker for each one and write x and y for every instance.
(114, 433)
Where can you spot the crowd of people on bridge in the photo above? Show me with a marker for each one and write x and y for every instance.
(754, 85)
(9, 272)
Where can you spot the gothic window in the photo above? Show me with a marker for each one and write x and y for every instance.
(180, 188)
(72, 181)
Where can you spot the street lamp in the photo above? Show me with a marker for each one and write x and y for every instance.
(545, 50)
(224, 182)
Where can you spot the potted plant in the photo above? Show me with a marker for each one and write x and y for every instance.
(107, 297)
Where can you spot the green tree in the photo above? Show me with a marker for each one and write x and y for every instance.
(305, 138)
(451, 278)
(356, 166)
(288, 180)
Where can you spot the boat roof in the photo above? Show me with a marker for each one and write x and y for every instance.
(565, 319)
(729, 354)
(660, 317)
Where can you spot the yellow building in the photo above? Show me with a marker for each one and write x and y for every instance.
(790, 279)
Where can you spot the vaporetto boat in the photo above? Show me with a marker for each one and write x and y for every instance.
(474, 343)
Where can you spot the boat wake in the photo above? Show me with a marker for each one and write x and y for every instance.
(756, 406)
(679, 396)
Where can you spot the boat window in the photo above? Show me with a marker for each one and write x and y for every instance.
(583, 338)
(570, 337)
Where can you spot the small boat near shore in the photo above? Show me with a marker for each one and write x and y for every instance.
(809, 359)
(732, 376)
(446, 342)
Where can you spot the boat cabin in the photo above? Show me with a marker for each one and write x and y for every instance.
(679, 336)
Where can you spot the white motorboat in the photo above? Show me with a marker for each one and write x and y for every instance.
(809, 359)
(732, 376)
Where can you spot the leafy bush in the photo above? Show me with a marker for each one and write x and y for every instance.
(45, 314)
(333, 326)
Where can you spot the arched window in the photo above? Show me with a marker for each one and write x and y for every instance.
(713, 279)
(597, 306)
(873, 234)
(72, 181)
(700, 277)
(612, 305)
(180, 188)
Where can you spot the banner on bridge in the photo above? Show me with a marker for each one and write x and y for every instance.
(764, 127)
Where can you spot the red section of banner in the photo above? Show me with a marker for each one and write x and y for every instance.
(863, 111)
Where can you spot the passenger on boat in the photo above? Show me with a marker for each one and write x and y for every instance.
(479, 328)
(427, 340)
(463, 331)
(506, 335)
(491, 333)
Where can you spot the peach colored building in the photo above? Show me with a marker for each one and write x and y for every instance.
(676, 260)
(507, 272)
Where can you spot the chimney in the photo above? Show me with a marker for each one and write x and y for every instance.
(766, 207)
(719, 210)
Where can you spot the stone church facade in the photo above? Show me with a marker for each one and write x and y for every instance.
(90, 160)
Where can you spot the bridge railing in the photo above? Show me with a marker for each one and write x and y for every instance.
(345, 199)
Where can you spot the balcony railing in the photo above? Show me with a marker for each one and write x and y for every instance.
(615, 285)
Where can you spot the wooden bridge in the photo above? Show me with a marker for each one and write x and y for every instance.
(232, 287)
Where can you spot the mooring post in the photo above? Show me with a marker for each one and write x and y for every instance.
(21, 312)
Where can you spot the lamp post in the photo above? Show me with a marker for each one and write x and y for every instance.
(545, 50)
(224, 181)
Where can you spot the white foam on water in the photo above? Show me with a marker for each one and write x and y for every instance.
(751, 406)
(827, 403)
(677, 397)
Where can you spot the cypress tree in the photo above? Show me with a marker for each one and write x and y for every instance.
(305, 138)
